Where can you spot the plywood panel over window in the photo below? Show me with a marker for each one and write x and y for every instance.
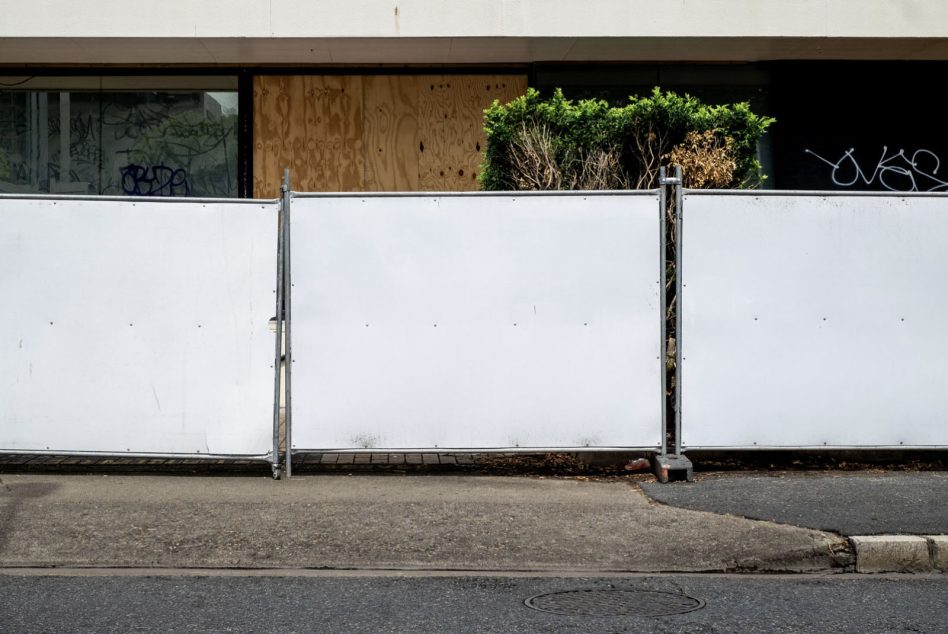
(451, 126)
(373, 132)
(391, 133)
(311, 124)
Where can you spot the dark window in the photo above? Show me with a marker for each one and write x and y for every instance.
(142, 136)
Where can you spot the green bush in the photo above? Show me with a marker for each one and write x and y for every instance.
(555, 143)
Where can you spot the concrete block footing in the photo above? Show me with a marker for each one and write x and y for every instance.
(901, 553)
(672, 467)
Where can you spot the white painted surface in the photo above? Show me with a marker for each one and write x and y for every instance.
(136, 327)
(484, 18)
(460, 31)
(476, 321)
(815, 320)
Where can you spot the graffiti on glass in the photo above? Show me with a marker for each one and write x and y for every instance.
(895, 171)
(154, 180)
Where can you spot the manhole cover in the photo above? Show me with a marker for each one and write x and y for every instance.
(614, 602)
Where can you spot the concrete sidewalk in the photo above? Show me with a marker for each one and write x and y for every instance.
(385, 522)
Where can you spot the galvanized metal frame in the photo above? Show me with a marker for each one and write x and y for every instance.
(287, 316)
(139, 454)
(679, 243)
(480, 194)
(278, 343)
(724, 448)
(797, 193)
(663, 300)
(763, 193)
(676, 183)
(671, 462)
(491, 194)
(469, 450)
(140, 199)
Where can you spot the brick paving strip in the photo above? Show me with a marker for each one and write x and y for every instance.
(310, 462)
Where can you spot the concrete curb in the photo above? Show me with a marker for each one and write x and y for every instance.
(900, 553)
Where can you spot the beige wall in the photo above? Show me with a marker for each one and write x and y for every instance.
(480, 18)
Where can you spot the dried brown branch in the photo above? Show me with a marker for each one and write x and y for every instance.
(707, 160)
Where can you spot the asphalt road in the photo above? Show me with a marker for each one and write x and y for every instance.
(850, 504)
(838, 603)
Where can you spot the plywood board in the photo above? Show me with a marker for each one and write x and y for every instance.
(814, 320)
(136, 326)
(271, 94)
(391, 133)
(373, 132)
(451, 135)
(312, 124)
(476, 321)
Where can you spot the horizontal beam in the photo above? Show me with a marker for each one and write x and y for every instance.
(275, 51)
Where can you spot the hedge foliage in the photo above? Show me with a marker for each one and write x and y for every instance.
(555, 143)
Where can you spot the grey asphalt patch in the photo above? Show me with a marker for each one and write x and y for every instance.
(746, 603)
(372, 522)
(846, 503)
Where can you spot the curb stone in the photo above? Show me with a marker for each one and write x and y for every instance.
(900, 553)
(938, 545)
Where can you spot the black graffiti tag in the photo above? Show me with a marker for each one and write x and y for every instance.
(154, 180)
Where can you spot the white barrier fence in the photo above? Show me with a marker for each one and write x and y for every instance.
(476, 321)
(814, 320)
(136, 326)
(471, 322)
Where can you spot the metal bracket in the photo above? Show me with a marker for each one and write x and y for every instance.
(673, 467)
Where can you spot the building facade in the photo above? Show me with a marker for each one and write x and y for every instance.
(216, 98)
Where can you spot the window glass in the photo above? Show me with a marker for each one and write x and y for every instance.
(112, 136)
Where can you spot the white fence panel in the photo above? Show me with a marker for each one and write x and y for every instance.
(814, 320)
(136, 327)
(476, 321)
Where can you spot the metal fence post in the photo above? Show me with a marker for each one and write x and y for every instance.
(663, 301)
(287, 308)
(277, 355)
(667, 463)
(679, 285)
